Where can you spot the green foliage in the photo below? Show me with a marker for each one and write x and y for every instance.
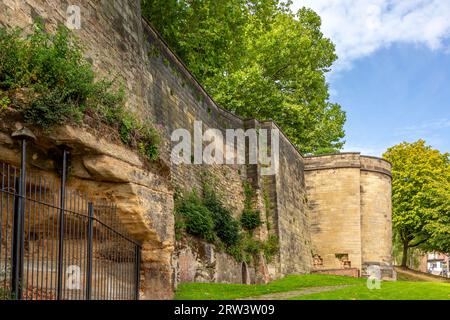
(4, 102)
(225, 226)
(271, 248)
(250, 219)
(258, 59)
(247, 249)
(61, 87)
(195, 218)
(267, 209)
(207, 218)
(5, 293)
(420, 196)
(51, 109)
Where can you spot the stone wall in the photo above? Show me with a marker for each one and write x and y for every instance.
(120, 43)
(376, 211)
(334, 198)
(159, 87)
(292, 215)
(349, 272)
(350, 201)
(199, 261)
(112, 33)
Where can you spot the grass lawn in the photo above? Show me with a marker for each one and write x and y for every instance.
(390, 290)
(357, 289)
(218, 291)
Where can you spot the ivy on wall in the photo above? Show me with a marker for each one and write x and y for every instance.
(250, 218)
(49, 72)
(206, 217)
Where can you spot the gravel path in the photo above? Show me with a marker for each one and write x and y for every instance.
(292, 294)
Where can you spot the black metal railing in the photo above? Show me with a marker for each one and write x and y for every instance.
(56, 243)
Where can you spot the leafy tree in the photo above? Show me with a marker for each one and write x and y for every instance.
(420, 196)
(258, 59)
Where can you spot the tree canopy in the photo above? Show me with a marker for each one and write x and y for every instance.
(258, 59)
(420, 196)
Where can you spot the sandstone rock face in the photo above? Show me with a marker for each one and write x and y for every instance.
(144, 199)
(91, 144)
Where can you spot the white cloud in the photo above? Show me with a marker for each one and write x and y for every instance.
(365, 150)
(424, 127)
(358, 28)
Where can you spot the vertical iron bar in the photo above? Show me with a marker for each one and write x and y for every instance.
(1, 228)
(32, 236)
(46, 241)
(40, 240)
(61, 225)
(18, 239)
(15, 259)
(95, 266)
(6, 219)
(53, 237)
(137, 271)
(89, 251)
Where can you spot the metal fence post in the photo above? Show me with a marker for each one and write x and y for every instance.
(61, 224)
(17, 248)
(137, 272)
(23, 135)
(89, 251)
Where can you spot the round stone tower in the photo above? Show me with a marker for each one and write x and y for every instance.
(349, 197)
(376, 214)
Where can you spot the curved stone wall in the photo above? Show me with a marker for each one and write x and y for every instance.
(333, 189)
(376, 211)
(349, 197)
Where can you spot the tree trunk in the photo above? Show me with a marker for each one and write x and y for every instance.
(405, 254)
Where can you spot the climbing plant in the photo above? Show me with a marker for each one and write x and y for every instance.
(250, 218)
(208, 218)
(57, 85)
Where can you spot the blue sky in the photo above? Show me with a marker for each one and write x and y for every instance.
(393, 73)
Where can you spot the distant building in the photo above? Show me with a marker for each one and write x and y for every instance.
(435, 263)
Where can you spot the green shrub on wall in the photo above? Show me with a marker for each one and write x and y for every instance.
(208, 218)
(60, 86)
(194, 217)
(271, 247)
(225, 226)
(250, 219)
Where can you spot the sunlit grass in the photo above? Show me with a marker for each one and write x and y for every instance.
(397, 290)
(218, 291)
(356, 290)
